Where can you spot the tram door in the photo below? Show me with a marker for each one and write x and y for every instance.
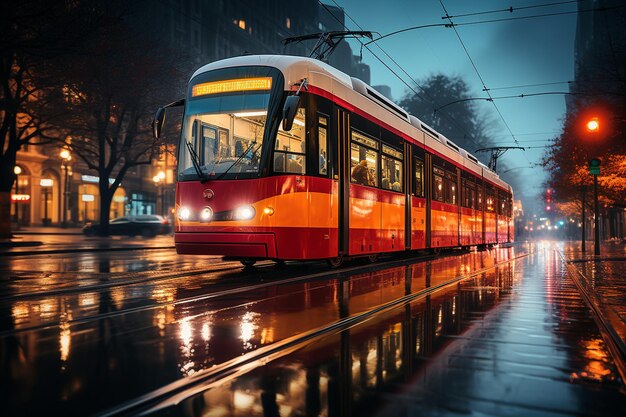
(341, 145)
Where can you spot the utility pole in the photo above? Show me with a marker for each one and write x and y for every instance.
(584, 194)
(496, 152)
(594, 169)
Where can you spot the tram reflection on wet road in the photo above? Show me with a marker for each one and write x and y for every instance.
(442, 339)
(339, 374)
(474, 347)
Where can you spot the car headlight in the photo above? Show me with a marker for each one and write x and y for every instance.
(184, 213)
(206, 214)
(244, 212)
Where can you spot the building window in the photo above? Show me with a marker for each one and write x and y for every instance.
(288, 23)
(240, 23)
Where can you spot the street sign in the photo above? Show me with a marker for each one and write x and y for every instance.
(20, 198)
(594, 166)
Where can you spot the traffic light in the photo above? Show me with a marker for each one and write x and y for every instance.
(593, 125)
(594, 166)
(548, 199)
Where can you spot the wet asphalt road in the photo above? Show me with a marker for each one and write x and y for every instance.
(91, 332)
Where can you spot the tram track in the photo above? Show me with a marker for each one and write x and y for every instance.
(19, 253)
(231, 289)
(145, 276)
(175, 392)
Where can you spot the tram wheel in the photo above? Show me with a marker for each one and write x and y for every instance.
(248, 262)
(335, 262)
(372, 258)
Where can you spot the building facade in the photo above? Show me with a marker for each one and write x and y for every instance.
(53, 190)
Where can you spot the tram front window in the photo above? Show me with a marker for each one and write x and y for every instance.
(222, 133)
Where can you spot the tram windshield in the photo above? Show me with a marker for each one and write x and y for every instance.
(223, 129)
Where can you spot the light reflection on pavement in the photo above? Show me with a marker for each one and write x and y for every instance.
(509, 327)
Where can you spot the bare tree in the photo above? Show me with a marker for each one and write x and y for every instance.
(445, 104)
(35, 38)
(112, 94)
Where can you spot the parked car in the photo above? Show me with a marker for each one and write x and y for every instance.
(145, 225)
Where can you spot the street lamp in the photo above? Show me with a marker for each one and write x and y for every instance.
(594, 169)
(17, 170)
(593, 125)
(66, 157)
(159, 181)
(46, 183)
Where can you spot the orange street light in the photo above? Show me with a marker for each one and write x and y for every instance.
(593, 125)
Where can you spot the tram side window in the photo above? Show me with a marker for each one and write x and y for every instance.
(438, 193)
(469, 194)
(322, 140)
(419, 178)
(450, 190)
(364, 160)
(290, 148)
(391, 169)
(479, 198)
(490, 201)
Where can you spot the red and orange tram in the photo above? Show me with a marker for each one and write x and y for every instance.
(287, 158)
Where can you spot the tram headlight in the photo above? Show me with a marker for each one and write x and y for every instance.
(206, 214)
(184, 213)
(244, 212)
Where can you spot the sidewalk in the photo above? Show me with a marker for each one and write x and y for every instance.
(50, 230)
(604, 281)
(52, 240)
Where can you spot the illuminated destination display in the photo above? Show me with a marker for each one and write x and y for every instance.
(231, 86)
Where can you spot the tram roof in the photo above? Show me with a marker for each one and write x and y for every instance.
(293, 68)
(287, 64)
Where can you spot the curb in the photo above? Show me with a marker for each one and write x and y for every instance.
(14, 244)
(615, 344)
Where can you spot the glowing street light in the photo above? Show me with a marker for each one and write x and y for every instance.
(66, 157)
(593, 125)
(159, 182)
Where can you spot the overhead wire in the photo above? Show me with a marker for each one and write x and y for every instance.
(481, 79)
(511, 9)
(480, 22)
(430, 100)
(530, 85)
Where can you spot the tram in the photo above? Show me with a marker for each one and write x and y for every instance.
(287, 158)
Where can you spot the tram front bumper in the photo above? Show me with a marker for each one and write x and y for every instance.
(245, 245)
